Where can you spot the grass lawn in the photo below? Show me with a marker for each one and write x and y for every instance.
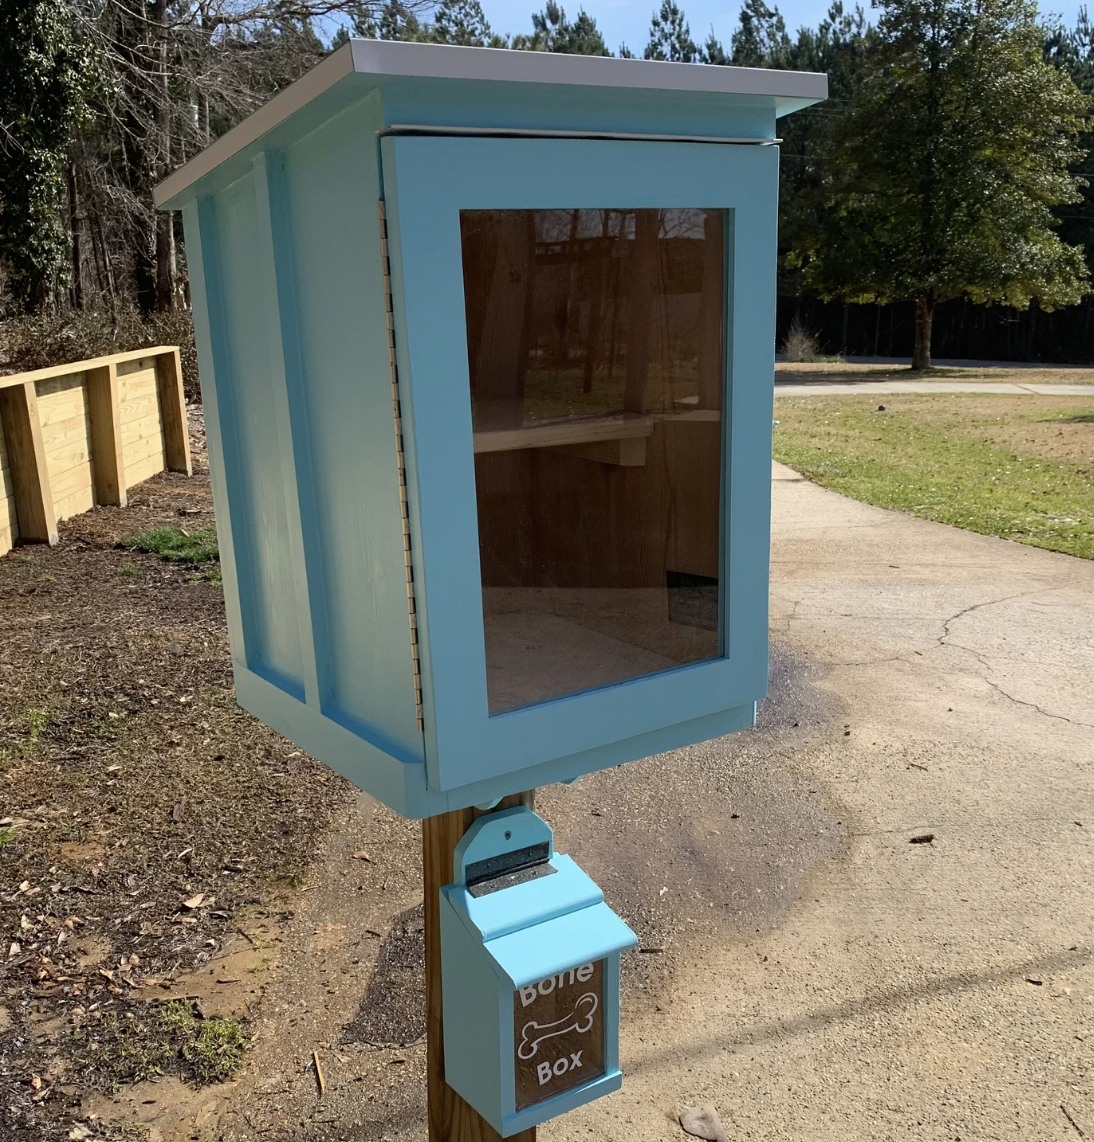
(1020, 467)
(836, 371)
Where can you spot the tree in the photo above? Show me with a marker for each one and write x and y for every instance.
(43, 69)
(1073, 50)
(463, 22)
(942, 177)
(553, 32)
(760, 39)
(670, 36)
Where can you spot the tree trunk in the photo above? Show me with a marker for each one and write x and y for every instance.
(165, 231)
(77, 295)
(924, 316)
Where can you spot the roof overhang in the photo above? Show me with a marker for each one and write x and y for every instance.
(392, 60)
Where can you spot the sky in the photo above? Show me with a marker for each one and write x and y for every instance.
(628, 21)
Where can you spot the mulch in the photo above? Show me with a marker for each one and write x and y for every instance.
(141, 810)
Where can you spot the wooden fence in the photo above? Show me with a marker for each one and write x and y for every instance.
(78, 435)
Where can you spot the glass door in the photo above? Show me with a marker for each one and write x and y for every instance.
(584, 332)
(595, 361)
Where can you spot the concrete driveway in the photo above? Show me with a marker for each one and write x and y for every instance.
(935, 990)
(803, 965)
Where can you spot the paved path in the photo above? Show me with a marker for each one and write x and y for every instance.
(880, 388)
(941, 990)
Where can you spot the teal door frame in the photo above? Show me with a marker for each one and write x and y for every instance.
(427, 181)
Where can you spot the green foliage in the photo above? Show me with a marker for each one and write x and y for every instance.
(941, 178)
(460, 22)
(1073, 51)
(760, 39)
(59, 336)
(670, 36)
(43, 74)
(903, 461)
(553, 32)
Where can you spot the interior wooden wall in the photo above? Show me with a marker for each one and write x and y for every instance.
(552, 519)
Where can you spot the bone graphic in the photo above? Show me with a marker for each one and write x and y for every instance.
(579, 1020)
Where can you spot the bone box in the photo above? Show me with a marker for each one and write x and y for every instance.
(530, 976)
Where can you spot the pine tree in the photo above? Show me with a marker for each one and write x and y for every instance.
(463, 22)
(553, 32)
(760, 39)
(942, 177)
(670, 36)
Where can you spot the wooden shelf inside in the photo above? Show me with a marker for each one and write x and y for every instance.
(584, 430)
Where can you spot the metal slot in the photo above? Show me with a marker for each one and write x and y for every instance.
(507, 869)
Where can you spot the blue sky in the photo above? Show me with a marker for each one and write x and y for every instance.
(628, 21)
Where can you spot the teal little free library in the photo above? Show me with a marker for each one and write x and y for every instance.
(486, 343)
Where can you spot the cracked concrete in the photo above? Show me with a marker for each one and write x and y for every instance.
(941, 990)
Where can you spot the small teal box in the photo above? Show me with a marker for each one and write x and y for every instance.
(486, 343)
(530, 976)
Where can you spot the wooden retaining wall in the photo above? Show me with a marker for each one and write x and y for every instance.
(82, 434)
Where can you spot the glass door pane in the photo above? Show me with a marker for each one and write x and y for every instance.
(595, 345)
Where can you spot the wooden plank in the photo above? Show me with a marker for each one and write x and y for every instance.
(16, 379)
(139, 449)
(9, 521)
(176, 427)
(74, 455)
(144, 470)
(26, 457)
(104, 414)
(139, 408)
(61, 400)
(450, 1118)
(81, 500)
(586, 430)
(126, 369)
(133, 431)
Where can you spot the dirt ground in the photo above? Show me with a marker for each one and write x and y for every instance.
(833, 372)
(130, 784)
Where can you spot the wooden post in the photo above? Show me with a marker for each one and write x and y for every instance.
(107, 469)
(27, 462)
(450, 1118)
(176, 430)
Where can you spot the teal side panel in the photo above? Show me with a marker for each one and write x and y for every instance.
(353, 521)
(478, 1018)
(255, 468)
(201, 264)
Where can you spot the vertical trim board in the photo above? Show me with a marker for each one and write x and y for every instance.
(172, 409)
(27, 461)
(9, 521)
(275, 282)
(107, 462)
(400, 461)
(202, 256)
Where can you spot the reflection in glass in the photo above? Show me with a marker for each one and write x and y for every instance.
(595, 346)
